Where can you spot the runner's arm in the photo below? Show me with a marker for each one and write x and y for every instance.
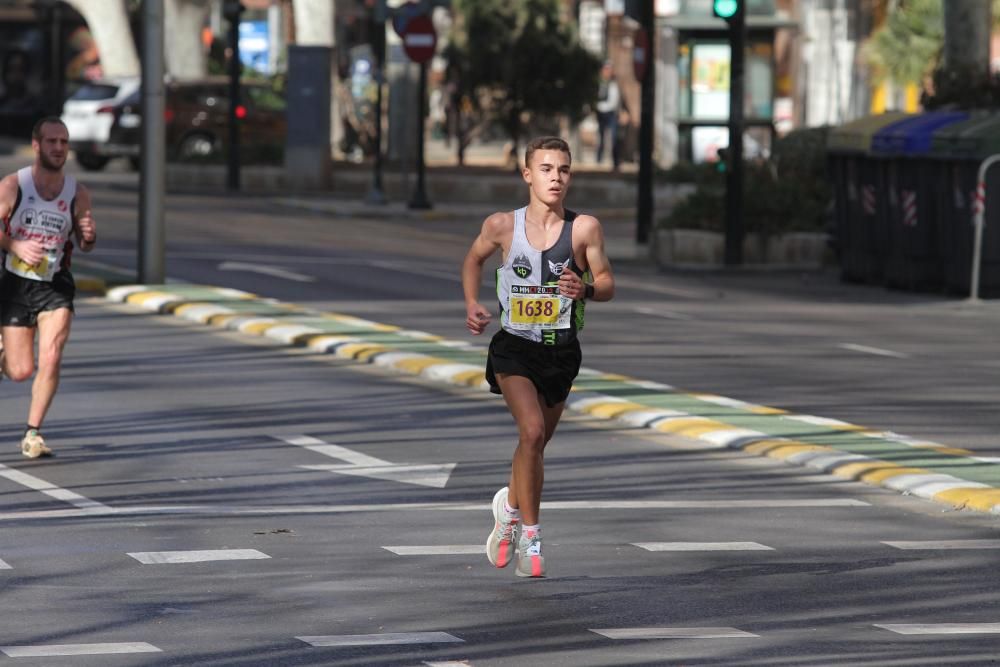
(32, 251)
(83, 223)
(597, 260)
(488, 242)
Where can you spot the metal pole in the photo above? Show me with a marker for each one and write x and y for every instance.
(377, 194)
(978, 220)
(233, 171)
(152, 237)
(734, 174)
(644, 205)
(419, 199)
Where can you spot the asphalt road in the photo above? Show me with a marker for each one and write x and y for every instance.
(219, 499)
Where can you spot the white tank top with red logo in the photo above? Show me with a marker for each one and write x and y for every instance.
(47, 220)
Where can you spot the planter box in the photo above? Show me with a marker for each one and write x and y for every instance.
(697, 249)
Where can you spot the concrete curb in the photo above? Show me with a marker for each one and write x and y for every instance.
(830, 446)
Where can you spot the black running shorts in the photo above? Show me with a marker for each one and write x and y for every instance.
(21, 299)
(551, 368)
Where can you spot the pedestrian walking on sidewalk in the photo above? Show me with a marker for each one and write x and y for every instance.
(609, 106)
(44, 214)
(553, 262)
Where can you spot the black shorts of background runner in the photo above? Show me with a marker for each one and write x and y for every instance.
(551, 368)
(21, 299)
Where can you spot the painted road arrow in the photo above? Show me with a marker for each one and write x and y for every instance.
(430, 474)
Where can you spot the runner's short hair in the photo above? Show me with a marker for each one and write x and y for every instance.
(546, 143)
(36, 131)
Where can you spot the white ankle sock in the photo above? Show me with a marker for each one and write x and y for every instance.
(531, 530)
(511, 512)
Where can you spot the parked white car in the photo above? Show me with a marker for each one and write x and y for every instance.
(89, 114)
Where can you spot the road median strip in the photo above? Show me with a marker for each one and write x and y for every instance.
(937, 472)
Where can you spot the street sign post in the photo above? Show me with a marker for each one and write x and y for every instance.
(419, 42)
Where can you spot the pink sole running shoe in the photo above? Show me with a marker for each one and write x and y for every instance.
(530, 562)
(500, 544)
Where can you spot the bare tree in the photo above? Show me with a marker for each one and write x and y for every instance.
(108, 22)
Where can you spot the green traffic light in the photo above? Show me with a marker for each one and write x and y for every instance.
(725, 9)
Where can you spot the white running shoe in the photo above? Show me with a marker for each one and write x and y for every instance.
(500, 544)
(530, 562)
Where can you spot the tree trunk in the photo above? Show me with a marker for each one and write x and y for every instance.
(967, 36)
(185, 59)
(314, 23)
(108, 23)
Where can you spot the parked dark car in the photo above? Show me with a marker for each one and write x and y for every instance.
(196, 115)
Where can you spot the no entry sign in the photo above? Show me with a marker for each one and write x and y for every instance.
(419, 39)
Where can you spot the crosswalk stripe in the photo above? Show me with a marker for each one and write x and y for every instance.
(4, 565)
(437, 550)
(940, 628)
(51, 490)
(163, 557)
(48, 650)
(672, 633)
(945, 544)
(382, 639)
(702, 546)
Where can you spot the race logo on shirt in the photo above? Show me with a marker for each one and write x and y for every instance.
(521, 266)
(557, 267)
(61, 205)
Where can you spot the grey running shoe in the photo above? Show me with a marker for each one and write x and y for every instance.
(33, 446)
(530, 562)
(500, 544)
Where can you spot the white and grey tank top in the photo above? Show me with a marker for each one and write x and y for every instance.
(527, 287)
(49, 221)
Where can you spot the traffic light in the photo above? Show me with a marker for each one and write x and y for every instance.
(231, 10)
(727, 9)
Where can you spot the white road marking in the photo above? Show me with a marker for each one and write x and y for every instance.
(941, 628)
(702, 546)
(945, 544)
(672, 633)
(273, 271)
(450, 663)
(4, 565)
(383, 639)
(278, 510)
(434, 475)
(48, 650)
(161, 557)
(873, 350)
(438, 550)
(666, 314)
(38, 484)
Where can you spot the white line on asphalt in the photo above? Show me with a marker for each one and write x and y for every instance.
(333, 451)
(382, 639)
(702, 546)
(4, 565)
(873, 350)
(434, 475)
(161, 557)
(438, 550)
(38, 484)
(672, 633)
(209, 510)
(273, 271)
(666, 314)
(941, 628)
(49, 650)
(945, 544)
(449, 663)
